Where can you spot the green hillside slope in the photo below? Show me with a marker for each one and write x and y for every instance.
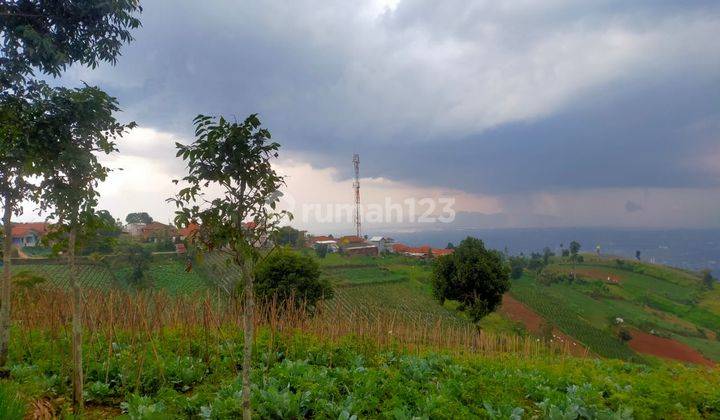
(609, 294)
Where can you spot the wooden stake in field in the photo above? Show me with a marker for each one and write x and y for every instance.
(235, 157)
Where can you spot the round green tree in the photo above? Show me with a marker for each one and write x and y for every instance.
(474, 276)
(285, 274)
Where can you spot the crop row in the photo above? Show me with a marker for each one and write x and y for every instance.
(391, 298)
(597, 340)
(58, 275)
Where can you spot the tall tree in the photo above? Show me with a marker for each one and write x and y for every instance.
(235, 158)
(141, 217)
(50, 35)
(22, 145)
(474, 276)
(574, 249)
(83, 127)
(45, 35)
(708, 279)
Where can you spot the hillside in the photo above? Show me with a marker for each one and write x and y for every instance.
(381, 345)
(667, 311)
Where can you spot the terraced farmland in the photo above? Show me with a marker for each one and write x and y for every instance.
(568, 321)
(657, 300)
(56, 275)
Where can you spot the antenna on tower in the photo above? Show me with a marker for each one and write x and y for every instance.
(356, 187)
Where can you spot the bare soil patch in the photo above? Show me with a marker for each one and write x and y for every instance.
(667, 348)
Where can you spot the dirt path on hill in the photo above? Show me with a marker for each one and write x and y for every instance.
(533, 322)
(667, 348)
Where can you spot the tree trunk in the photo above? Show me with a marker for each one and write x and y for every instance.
(248, 326)
(6, 285)
(76, 325)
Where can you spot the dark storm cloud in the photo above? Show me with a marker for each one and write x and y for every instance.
(489, 97)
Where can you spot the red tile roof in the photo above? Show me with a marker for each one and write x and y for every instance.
(440, 252)
(20, 230)
(351, 239)
(321, 238)
(189, 230)
(421, 250)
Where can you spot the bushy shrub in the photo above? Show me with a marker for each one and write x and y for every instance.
(547, 277)
(285, 274)
(624, 334)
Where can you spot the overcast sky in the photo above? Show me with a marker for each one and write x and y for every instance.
(529, 113)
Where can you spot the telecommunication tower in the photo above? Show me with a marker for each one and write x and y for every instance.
(356, 187)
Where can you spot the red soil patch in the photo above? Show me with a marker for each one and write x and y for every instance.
(667, 348)
(597, 274)
(518, 312)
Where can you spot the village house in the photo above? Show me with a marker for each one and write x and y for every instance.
(360, 249)
(424, 251)
(28, 234)
(350, 239)
(383, 243)
(156, 231)
(134, 229)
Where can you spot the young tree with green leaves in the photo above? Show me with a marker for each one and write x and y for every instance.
(16, 152)
(83, 126)
(236, 159)
(45, 35)
(51, 35)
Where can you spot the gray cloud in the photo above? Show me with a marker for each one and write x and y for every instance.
(490, 97)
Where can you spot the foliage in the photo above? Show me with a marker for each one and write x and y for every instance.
(547, 254)
(574, 248)
(51, 35)
(624, 334)
(141, 217)
(472, 275)
(289, 236)
(138, 258)
(708, 279)
(300, 376)
(286, 274)
(517, 266)
(549, 276)
(98, 234)
(81, 126)
(236, 158)
(568, 321)
(11, 406)
(321, 250)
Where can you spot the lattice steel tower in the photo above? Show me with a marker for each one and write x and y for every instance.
(356, 187)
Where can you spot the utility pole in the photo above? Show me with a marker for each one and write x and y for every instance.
(356, 187)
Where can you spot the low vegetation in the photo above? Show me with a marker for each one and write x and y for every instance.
(164, 356)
